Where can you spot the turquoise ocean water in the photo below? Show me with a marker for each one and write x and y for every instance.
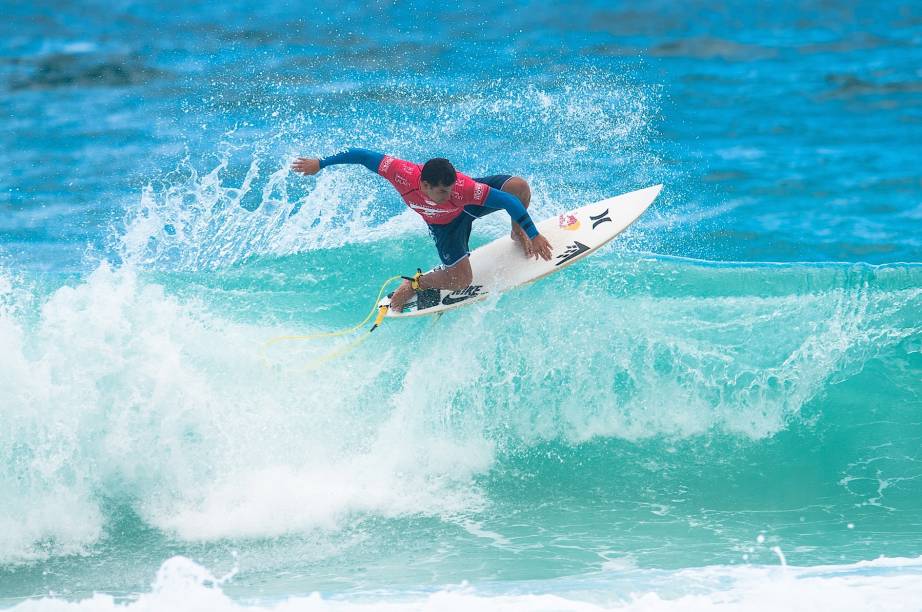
(721, 409)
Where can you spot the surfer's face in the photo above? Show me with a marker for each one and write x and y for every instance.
(437, 193)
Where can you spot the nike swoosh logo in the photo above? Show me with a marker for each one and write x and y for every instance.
(448, 300)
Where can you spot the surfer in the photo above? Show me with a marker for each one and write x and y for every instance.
(449, 202)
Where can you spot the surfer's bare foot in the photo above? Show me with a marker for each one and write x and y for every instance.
(518, 235)
(401, 296)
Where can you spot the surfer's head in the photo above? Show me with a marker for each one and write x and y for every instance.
(437, 179)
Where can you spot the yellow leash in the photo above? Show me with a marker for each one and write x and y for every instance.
(381, 310)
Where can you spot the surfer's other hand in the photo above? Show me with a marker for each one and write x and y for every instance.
(306, 165)
(541, 247)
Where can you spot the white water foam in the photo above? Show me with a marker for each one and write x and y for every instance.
(893, 584)
(113, 364)
(120, 392)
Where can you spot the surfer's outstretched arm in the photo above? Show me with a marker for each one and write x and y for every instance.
(365, 157)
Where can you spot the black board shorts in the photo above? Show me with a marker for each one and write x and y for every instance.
(451, 239)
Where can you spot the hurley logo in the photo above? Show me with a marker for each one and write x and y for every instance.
(600, 218)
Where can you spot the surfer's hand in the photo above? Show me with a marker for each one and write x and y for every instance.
(541, 247)
(306, 165)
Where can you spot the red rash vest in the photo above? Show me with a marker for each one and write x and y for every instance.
(405, 177)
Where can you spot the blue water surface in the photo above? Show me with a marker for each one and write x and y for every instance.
(737, 377)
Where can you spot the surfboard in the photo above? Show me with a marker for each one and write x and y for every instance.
(501, 265)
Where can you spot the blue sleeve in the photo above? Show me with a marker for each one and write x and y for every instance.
(369, 159)
(500, 199)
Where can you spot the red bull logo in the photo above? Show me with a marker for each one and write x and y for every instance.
(569, 222)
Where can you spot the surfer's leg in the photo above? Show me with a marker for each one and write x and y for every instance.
(451, 242)
(455, 277)
(401, 296)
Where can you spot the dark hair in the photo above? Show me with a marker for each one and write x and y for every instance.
(439, 171)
